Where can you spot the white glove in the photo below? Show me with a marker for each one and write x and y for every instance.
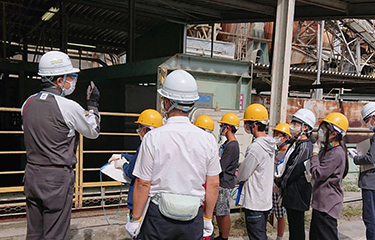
(352, 152)
(131, 227)
(119, 163)
(114, 157)
(208, 227)
(316, 147)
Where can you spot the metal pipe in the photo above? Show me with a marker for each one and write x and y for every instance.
(76, 187)
(12, 172)
(11, 132)
(319, 92)
(184, 39)
(80, 154)
(12, 152)
(108, 151)
(358, 51)
(212, 39)
(113, 114)
(118, 114)
(118, 134)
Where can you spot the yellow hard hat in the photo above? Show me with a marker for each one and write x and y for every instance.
(255, 112)
(150, 118)
(230, 119)
(337, 119)
(205, 122)
(284, 128)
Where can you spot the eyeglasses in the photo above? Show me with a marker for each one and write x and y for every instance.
(73, 76)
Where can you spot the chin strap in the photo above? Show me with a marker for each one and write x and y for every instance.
(54, 85)
(62, 87)
(176, 105)
(282, 145)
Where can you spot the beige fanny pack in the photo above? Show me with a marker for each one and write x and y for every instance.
(177, 206)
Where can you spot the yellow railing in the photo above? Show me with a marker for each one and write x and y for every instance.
(79, 169)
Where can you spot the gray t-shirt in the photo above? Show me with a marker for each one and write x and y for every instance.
(229, 163)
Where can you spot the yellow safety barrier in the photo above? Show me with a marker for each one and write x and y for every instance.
(80, 185)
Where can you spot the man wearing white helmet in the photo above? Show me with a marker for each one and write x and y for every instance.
(174, 162)
(366, 179)
(51, 123)
(295, 183)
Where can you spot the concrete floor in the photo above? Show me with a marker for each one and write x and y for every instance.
(92, 226)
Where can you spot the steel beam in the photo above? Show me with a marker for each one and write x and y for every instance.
(130, 55)
(246, 5)
(4, 33)
(281, 61)
(179, 6)
(64, 27)
(335, 5)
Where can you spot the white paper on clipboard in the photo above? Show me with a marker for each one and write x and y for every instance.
(114, 173)
(362, 149)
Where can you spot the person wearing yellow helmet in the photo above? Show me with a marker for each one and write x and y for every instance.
(256, 172)
(147, 120)
(282, 137)
(329, 166)
(229, 155)
(205, 122)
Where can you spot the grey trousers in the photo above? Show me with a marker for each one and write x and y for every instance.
(49, 195)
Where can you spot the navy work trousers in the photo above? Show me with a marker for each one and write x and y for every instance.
(368, 212)
(158, 227)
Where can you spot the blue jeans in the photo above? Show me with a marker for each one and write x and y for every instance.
(368, 212)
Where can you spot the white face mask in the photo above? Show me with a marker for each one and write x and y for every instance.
(368, 124)
(139, 133)
(248, 131)
(294, 130)
(70, 90)
(321, 135)
(278, 140)
(223, 131)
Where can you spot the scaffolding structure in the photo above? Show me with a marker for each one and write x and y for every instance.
(348, 44)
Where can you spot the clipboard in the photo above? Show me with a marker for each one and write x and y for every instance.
(114, 173)
(362, 149)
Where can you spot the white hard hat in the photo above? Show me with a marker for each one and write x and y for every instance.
(181, 86)
(306, 116)
(55, 63)
(368, 109)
